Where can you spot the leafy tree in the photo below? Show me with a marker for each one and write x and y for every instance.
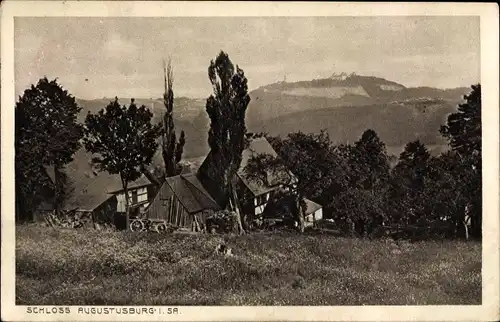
(47, 134)
(171, 148)
(445, 200)
(463, 131)
(407, 196)
(370, 160)
(363, 202)
(32, 184)
(318, 172)
(226, 108)
(124, 140)
(463, 128)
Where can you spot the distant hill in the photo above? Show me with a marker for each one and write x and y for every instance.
(395, 124)
(279, 99)
(347, 107)
(344, 107)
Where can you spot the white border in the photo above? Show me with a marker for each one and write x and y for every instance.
(489, 310)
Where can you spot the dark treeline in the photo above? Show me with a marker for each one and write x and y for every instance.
(422, 195)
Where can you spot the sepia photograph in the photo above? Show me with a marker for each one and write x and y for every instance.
(246, 160)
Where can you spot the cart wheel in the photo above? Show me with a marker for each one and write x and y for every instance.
(136, 225)
(161, 228)
(147, 224)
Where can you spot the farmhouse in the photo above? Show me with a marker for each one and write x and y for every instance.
(182, 201)
(140, 193)
(253, 195)
(102, 199)
(186, 200)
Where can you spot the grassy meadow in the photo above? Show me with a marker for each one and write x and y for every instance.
(87, 267)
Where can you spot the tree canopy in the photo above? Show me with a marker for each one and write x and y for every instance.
(123, 140)
(46, 135)
(463, 132)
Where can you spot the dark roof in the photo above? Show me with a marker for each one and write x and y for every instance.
(256, 147)
(311, 206)
(141, 182)
(195, 182)
(97, 189)
(190, 192)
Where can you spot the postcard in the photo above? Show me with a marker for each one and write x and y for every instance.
(248, 161)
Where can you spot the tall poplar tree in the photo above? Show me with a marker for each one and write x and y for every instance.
(226, 108)
(171, 148)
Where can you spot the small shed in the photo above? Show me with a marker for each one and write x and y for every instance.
(101, 198)
(314, 212)
(182, 201)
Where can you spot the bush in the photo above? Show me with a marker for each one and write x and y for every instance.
(223, 221)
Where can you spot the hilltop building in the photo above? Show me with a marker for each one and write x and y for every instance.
(339, 77)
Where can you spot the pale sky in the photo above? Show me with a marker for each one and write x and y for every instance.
(123, 56)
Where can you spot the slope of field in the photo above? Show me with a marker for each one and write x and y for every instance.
(71, 267)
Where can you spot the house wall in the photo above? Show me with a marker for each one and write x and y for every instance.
(105, 214)
(260, 203)
(166, 206)
(175, 213)
(136, 196)
(313, 217)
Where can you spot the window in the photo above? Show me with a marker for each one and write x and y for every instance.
(262, 199)
(142, 195)
(132, 197)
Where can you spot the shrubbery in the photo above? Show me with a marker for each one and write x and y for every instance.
(422, 196)
(223, 221)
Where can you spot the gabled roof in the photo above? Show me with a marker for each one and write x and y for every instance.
(190, 192)
(256, 147)
(98, 189)
(139, 183)
(311, 206)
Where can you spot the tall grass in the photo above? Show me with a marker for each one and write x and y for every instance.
(87, 267)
